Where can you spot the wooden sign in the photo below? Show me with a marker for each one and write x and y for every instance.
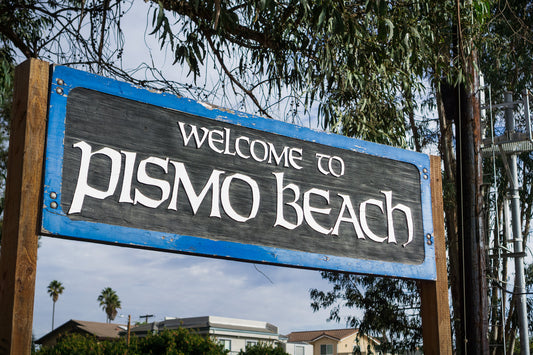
(139, 168)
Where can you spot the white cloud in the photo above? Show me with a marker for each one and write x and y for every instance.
(167, 284)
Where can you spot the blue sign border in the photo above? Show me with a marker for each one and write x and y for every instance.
(56, 223)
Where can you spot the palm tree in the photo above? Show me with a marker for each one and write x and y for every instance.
(55, 288)
(109, 302)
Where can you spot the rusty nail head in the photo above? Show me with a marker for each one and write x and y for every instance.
(53, 195)
(53, 205)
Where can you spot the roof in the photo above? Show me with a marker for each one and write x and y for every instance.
(311, 336)
(100, 330)
(211, 325)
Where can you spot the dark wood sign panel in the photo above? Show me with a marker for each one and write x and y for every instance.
(133, 167)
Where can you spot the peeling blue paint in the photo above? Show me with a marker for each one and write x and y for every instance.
(56, 223)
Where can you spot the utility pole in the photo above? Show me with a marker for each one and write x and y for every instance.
(129, 329)
(469, 199)
(520, 289)
(146, 316)
(509, 145)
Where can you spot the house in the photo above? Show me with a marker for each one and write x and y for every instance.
(335, 342)
(234, 334)
(102, 331)
(297, 348)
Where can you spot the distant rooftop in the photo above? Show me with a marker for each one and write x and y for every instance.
(310, 336)
(99, 330)
(210, 324)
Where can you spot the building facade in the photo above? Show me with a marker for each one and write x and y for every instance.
(234, 334)
(336, 342)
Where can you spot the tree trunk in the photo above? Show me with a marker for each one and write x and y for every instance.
(467, 244)
(53, 313)
(470, 203)
(446, 113)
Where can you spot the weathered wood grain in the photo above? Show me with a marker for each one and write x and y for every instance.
(435, 307)
(103, 120)
(18, 256)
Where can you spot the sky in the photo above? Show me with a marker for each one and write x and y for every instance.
(168, 284)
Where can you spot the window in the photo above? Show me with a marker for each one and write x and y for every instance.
(299, 350)
(250, 343)
(326, 349)
(226, 343)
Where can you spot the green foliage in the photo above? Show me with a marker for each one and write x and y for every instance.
(109, 302)
(262, 349)
(517, 348)
(506, 47)
(83, 344)
(389, 307)
(54, 289)
(181, 341)
(168, 342)
(362, 65)
(7, 72)
(355, 58)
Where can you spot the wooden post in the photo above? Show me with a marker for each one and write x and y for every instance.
(18, 254)
(435, 308)
(129, 329)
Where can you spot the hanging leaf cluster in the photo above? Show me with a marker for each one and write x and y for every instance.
(355, 58)
(385, 308)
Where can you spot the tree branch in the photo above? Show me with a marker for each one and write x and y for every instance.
(249, 93)
(238, 31)
(7, 31)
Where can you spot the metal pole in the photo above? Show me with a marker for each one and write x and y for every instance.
(517, 237)
(506, 237)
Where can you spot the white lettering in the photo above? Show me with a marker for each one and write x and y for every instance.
(254, 153)
(125, 194)
(238, 146)
(194, 133)
(280, 219)
(244, 147)
(226, 203)
(331, 167)
(341, 166)
(82, 186)
(195, 200)
(308, 210)
(319, 163)
(390, 222)
(277, 158)
(227, 149)
(364, 224)
(295, 154)
(314, 208)
(347, 204)
(212, 140)
(144, 178)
